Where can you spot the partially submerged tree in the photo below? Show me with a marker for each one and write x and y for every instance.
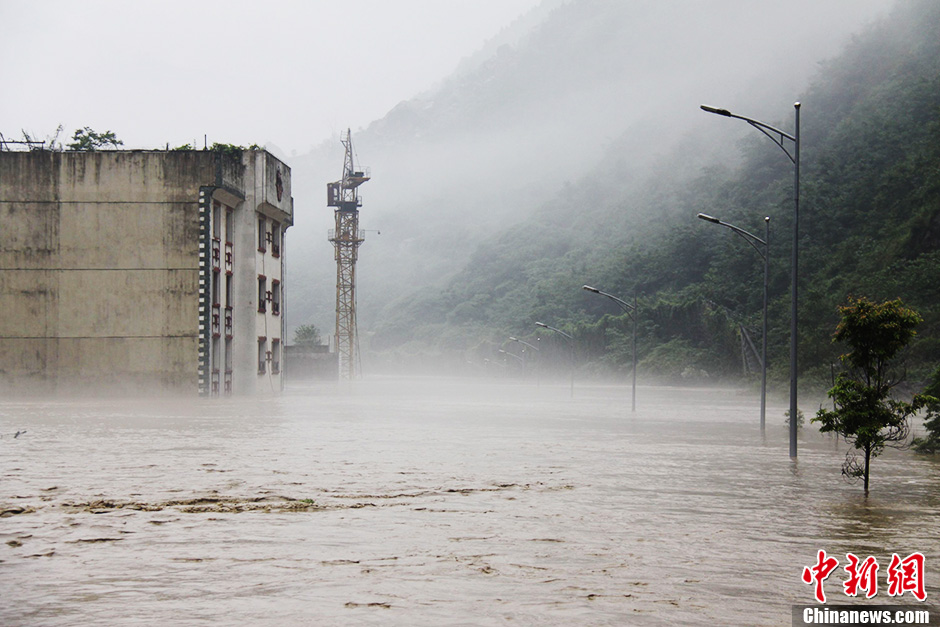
(931, 442)
(865, 414)
(87, 139)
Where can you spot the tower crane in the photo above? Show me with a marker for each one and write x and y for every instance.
(346, 238)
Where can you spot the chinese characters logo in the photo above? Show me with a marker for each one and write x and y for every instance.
(903, 575)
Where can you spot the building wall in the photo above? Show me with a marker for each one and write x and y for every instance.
(106, 267)
(259, 313)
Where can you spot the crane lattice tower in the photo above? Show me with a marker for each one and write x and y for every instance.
(346, 238)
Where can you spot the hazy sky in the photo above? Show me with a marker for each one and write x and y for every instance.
(287, 72)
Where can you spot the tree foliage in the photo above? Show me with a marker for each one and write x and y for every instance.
(87, 139)
(931, 442)
(865, 414)
(231, 150)
(307, 334)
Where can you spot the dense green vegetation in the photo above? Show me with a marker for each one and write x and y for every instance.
(930, 443)
(870, 226)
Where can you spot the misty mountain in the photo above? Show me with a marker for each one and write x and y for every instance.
(586, 88)
(870, 225)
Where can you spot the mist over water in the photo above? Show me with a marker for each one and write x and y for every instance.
(436, 501)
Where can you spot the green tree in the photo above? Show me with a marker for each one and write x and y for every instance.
(865, 414)
(87, 139)
(931, 443)
(307, 334)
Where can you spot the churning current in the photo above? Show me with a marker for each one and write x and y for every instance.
(437, 502)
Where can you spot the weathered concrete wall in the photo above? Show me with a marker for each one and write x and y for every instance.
(99, 270)
(311, 365)
(268, 197)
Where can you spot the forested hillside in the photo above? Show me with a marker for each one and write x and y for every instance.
(574, 92)
(870, 226)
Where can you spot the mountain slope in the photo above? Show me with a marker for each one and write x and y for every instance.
(506, 134)
(870, 226)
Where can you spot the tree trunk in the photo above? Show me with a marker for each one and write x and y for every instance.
(867, 462)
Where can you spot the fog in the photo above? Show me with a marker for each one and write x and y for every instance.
(471, 116)
(529, 494)
(286, 73)
(575, 89)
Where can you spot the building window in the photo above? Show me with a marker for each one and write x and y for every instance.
(215, 368)
(275, 238)
(262, 235)
(262, 354)
(262, 293)
(228, 366)
(275, 297)
(275, 356)
(216, 310)
(215, 289)
(216, 234)
(229, 225)
(216, 219)
(229, 238)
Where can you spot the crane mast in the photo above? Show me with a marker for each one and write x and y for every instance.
(343, 195)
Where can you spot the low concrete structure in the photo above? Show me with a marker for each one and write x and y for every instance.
(311, 363)
(142, 271)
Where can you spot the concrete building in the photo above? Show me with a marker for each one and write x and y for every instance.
(142, 272)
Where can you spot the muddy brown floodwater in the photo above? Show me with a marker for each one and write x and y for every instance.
(437, 502)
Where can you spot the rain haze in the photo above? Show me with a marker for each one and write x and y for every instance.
(498, 370)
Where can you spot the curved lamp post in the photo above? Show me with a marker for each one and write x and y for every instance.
(570, 345)
(778, 137)
(753, 240)
(525, 359)
(631, 310)
(513, 355)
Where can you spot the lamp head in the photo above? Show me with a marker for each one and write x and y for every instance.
(541, 324)
(590, 289)
(716, 111)
(708, 218)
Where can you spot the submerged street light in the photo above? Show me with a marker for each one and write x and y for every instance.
(523, 342)
(753, 240)
(631, 310)
(525, 357)
(513, 355)
(777, 136)
(570, 344)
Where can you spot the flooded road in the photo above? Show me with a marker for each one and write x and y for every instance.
(437, 502)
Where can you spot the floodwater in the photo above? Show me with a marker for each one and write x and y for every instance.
(437, 502)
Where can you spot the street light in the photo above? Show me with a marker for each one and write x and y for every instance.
(525, 359)
(570, 344)
(631, 310)
(765, 255)
(515, 339)
(777, 136)
(522, 360)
